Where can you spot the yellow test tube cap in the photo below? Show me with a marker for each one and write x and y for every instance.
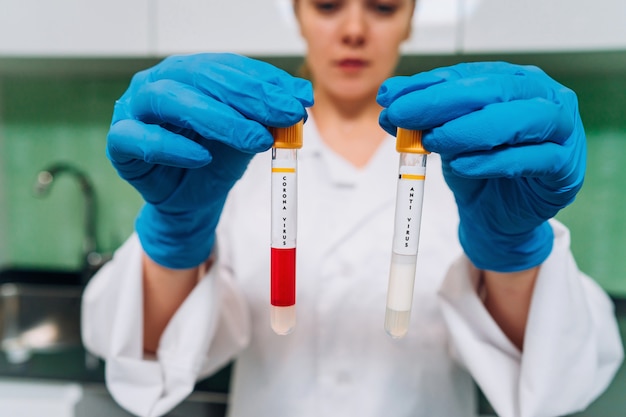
(409, 141)
(288, 137)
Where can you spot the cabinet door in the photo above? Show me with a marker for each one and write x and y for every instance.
(436, 28)
(250, 27)
(74, 28)
(268, 27)
(544, 25)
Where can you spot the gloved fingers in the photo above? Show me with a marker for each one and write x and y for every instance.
(440, 103)
(386, 124)
(258, 90)
(549, 179)
(134, 147)
(469, 69)
(514, 123)
(398, 86)
(299, 88)
(183, 68)
(537, 160)
(181, 105)
(395, 87)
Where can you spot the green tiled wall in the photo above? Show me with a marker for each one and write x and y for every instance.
(596, 219)
(44, 121)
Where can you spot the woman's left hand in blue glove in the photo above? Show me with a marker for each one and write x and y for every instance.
(513, 150)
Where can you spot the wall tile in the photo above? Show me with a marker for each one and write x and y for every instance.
(45, 121)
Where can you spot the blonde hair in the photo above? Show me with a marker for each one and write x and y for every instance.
(304, 71)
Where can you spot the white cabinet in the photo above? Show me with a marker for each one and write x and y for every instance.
(254, 27)
(436, 28)
(543, 25)
(268, 27)
(144, 28)
(26, 398)
(74, 28)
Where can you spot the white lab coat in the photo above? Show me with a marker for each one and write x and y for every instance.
(339, 361)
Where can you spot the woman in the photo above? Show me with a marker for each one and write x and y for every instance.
(511, 145)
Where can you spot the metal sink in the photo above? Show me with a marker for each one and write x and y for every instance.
(39, 312)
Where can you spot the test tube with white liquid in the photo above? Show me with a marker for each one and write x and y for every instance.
(408, 215)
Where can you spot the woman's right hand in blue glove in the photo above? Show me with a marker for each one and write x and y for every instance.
(183, 134)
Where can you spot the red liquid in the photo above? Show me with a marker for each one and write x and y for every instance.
(283, 277)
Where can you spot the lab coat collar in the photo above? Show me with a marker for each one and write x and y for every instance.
(312, 143)
(356, 194)
(340, 172)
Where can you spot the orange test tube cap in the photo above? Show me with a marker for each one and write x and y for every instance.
(288, 137)
(410, 141)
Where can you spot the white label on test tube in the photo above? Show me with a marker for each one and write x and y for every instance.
(408, 209)
(284, 208)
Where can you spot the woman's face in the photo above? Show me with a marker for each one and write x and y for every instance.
(353, 45)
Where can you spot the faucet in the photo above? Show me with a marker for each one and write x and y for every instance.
(92, 259)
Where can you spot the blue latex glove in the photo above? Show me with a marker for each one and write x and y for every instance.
(513, 150)
(183, 134)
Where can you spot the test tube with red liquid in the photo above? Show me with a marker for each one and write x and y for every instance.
(287, 141)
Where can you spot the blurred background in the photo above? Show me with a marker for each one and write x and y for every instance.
(63, 209)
